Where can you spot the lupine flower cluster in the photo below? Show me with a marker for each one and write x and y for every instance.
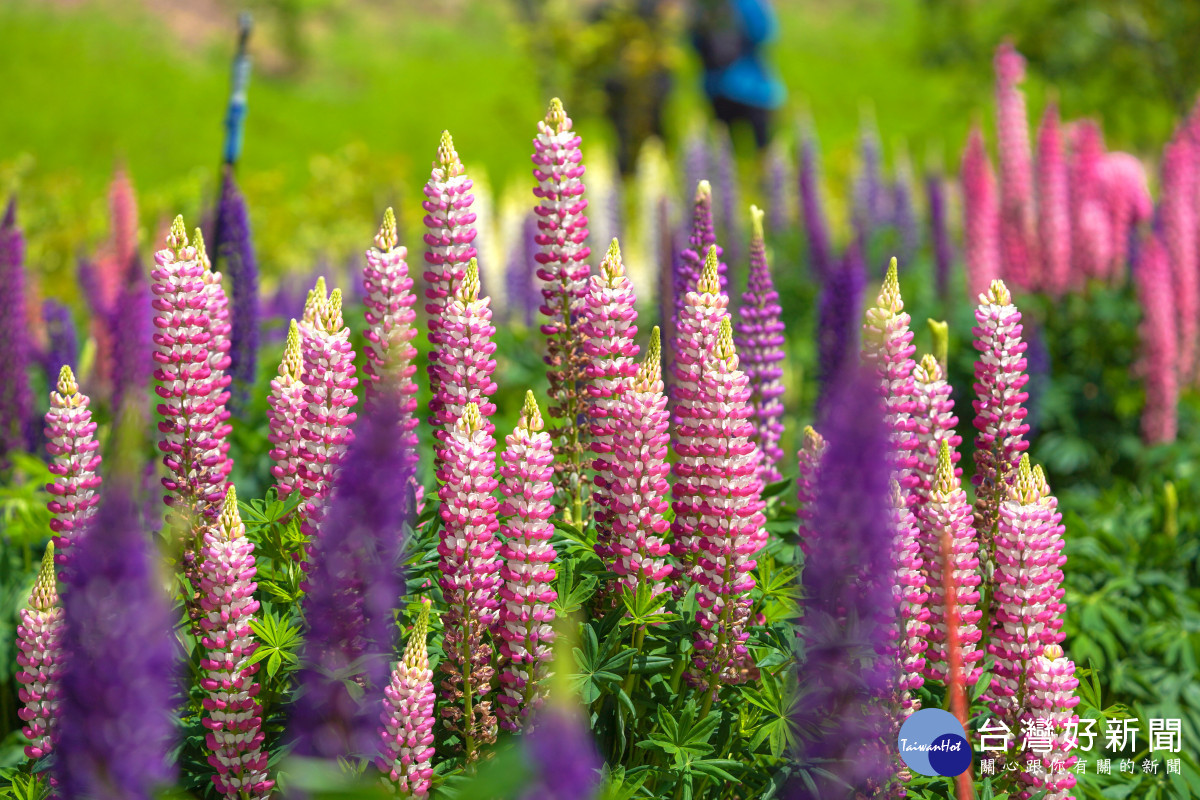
(407, 729)
(16, 403)
(39, 640)
(75, 455)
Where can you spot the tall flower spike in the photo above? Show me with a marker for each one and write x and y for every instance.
(935, 424)
(1025, 589)
(234, 249)
(407, 718)
(910, 629)
(1054, 209)
(62, 343)
(350, 608)
(75, 458)
(939, 233)
(39, 661)
(329, 382)
(816, 227)
(888, 349)
(563, 269)
(609, 325)
(131, 326)
(699, 324)
(948, 515)
(636, 551)
(526, 616)
(809, 458)
(1017, 241)
(233, 715)
(1090, 237)
(981, 217)
(838, 315)
(119, 679)
(468, 567)
(1052, 685)
(724, 461)
(701, 240)
(285, 419)
(760, 340)
(188, 351)
(16, 401)
(448, 248)
(467, 362)
(999, 397)
(391, 323)
(219, 345)
(1159, 344)
(1049, 514)
(1177, 211)
(1124, 183)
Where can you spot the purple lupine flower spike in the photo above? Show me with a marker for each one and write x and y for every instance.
(16, 402)
(779, 178)
(699, 324)
(526, 614)
(285, 416)
(809, 458)
(523, 296)
(759, 340)
(888, 349)
(939, 233)
(62, 343)
(948, 515)
(391, 323)
(467, 363)
(1052, 685)
(846, 584)
(354, 585)
(816, 227)
(563, 269)
(192, 407)
(329, 383)
(233, 714)
(468, 567)
(39, 661)
(609, 323)
(910, 593)
(1025, 592)
(75, 459)
(235, 251)
(120, 673)
(450, 222)
(727, 191)
(839, 310)
(999, 401)
(701, 239)
(132, 330)
(638, 500)
(407, 718)
(731, 523)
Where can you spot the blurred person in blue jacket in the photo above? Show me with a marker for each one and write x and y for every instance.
(729, 36)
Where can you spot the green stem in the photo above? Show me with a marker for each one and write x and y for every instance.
(639, 636)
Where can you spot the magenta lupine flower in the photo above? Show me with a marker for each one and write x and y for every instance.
(699, 323)
(724, 460)
(1053, 205)
(701, 239)
(219, 343)
(563, 269)
(467, 362)
(638, 499)
(191, 383)
(888, 349)
(809, 458)
(1089, 230)
(388, 308)
(1126, 188)
(233, 714)
(75, 458)
(759, 340)
(1017, 241)
(285, 416)
(1027, 579)
(948, 515)
(407, 729)
(1177, 211)
(1158, 344)
(910, 628)
(935, 424)
(329, 382)
(999, 397)
(449, 219)
(469, 580)
(39, 660)
(1052, 633)
(1052, 685)
(526, 615)
(981, 216)
(609, 325)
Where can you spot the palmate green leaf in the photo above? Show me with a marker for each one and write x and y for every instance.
(573, 590)
(644, 608)
(599, 667)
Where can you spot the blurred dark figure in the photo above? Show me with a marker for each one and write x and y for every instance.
(729, 36)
